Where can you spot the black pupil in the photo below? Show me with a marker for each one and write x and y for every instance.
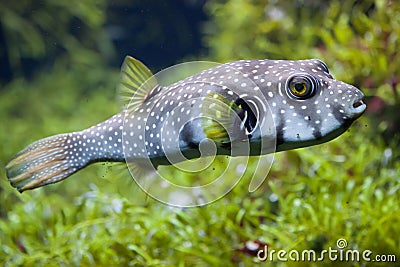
(251, 120)
(299, 87)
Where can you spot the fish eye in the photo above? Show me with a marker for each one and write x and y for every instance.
(300, 86)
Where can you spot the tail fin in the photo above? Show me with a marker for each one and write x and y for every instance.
(46, 161)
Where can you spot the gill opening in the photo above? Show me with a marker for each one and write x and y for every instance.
(249, 115)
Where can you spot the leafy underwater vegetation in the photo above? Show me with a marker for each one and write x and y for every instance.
(347, 188)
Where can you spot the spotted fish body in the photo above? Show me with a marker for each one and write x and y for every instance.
(293, 103)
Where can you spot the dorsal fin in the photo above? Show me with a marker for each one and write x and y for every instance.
(136, 82)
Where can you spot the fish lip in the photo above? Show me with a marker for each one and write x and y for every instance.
(358, 107)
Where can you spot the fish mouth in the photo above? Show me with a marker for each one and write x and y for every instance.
(358, 103)
(358, 107)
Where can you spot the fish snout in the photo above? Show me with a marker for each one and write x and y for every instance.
(357, 106)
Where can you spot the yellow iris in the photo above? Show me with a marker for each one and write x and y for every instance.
(299, 89)
(301, 86)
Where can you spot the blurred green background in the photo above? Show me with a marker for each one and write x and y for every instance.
(59, 68)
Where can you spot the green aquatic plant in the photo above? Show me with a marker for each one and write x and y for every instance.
(33, 36)
(312, 197)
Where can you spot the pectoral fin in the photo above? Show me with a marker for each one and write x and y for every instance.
(220, 122)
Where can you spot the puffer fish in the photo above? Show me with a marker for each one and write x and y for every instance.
(294, 103)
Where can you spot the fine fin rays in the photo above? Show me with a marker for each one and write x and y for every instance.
(145, 175)
(43, 162)
(218, 120)
(135, 84)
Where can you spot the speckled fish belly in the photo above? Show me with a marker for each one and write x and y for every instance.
(289, 104)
